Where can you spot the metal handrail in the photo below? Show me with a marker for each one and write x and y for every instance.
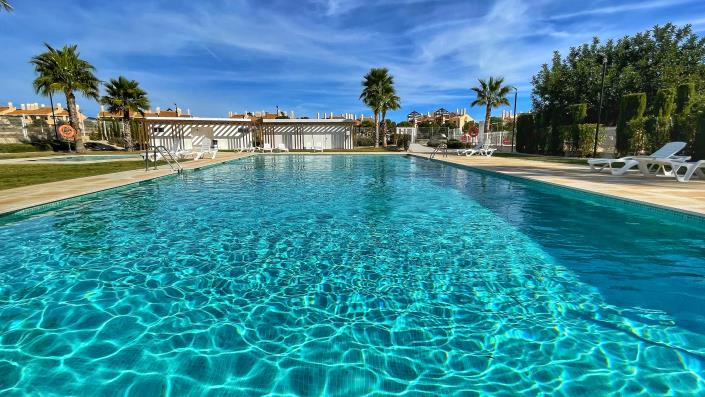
(164, 152)
(443, 147)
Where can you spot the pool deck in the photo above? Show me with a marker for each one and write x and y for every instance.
(30, 196)
(657, 191)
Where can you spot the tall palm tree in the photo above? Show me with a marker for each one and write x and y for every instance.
(5, 5)
(124, 96)
(62, 70)
(389, 100)
(376, 84)
(491, 93)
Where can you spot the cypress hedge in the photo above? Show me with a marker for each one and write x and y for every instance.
(699, 141)
(658, 125)
(576, 115)
(683, 121)
(631, 112)
(526, 138)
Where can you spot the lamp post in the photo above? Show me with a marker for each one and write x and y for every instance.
(599, 107)
(181, 131)
(514, 127)
(53, 116)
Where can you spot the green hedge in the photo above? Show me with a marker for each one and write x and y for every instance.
(525, 140)
(630, 122)
(658, 125)
(685, 97)
(364, 141)
(699, 141)
(586, 139)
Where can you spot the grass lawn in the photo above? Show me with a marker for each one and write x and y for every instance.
(8, 156)
(16, 175)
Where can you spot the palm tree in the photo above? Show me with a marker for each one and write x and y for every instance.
(64, 71)
(124, 96)
(492, 94)
(376, 84)
(388, 101)
(5, 5)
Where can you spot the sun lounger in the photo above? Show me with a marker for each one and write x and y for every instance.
(318, 148)
(473, 150)
(205, 149)
(264, 148)
(668, 150)
(486, 150)
(282, 148)
(152, 156)
(246, 149)
(694, 168)
(681, 169)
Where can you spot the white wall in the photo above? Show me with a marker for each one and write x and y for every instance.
(306, 135)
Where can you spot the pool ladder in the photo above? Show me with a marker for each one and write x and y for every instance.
(166, 155)
(440, 148)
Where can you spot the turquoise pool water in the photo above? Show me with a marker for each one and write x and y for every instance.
(89, 158)
(350, 275)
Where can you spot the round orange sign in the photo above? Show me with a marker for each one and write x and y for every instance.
(67, 132)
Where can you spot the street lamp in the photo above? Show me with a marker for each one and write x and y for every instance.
(53, 116)
(599, 107)
(514, 127)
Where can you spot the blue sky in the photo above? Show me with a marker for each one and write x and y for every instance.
(216, 56)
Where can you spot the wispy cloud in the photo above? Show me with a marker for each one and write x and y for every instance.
(624, 7)
(220, 55)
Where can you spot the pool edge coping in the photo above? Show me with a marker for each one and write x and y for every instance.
(478, 168)
(85, 195)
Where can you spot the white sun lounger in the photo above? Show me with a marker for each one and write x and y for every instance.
(681, 169)
(694, 168)
(246, 149)
(282, 148)
(265, 148)
(318, 148)
(205, 149)
(668, 150)
(487, 150)
(474, 150)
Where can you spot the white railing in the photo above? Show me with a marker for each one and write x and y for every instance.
(497, 138)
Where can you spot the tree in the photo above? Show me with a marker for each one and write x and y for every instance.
(62, 70)
(5, 5)
(123, 97)
(491, 93)
(377, 85)
(389, 101)
(663, 56)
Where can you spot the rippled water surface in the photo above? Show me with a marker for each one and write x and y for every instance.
(345, 276)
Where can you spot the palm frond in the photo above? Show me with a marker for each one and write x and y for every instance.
(5, 5)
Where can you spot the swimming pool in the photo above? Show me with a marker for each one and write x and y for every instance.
(350, 275)
(88, 157)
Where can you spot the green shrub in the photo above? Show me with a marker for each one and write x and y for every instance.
(455, 144)
(586, 139)
(362, 140)
(525, 140)
(630, 122)
(699, 141)
(402, 141)
(685, 96)
(576, 115)
(658, 126)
